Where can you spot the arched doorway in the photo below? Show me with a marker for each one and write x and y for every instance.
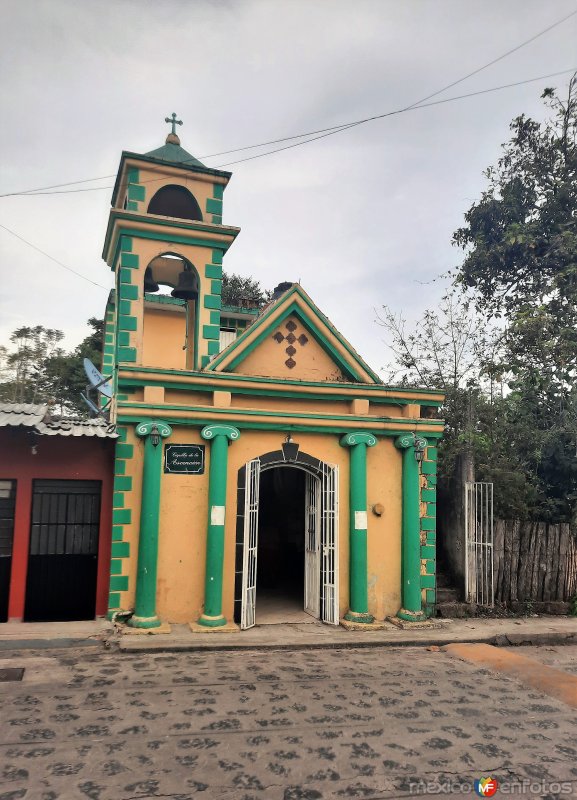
(286, 562)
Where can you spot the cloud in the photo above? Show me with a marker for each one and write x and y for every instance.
(363, 218)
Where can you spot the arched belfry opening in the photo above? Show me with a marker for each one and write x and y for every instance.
(175, 201)
(171, 290)
(286, 567)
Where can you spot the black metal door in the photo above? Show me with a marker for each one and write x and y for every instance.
(63, 560)
(7, 504)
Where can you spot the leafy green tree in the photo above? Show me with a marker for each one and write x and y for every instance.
(37, 370)
(23, 367)
(521, 239)
(65, 375)
(238, 291)
(520, 243)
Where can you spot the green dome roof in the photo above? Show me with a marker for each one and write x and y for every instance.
(175, 154)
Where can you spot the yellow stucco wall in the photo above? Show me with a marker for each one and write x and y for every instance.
(184, 508)
(269, 358)
(163, 337)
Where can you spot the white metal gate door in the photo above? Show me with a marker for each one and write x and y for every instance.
(479, 543)
(312, 546)
(252, 481)
(329, 544)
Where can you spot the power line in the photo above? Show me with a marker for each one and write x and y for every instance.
(334, 128)
(330, 131)
(399, 111)
(56, 261)
(417, 102)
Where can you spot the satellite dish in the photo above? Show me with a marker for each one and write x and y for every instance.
(97, 379)
(94, 408)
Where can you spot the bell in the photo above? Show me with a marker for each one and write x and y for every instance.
(186, 287)
(150, 285)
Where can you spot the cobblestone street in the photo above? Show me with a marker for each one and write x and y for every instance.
(277, 725)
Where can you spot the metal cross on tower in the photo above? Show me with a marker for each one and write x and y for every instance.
(173, 122)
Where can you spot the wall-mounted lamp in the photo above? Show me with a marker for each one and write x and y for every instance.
(154, 436)
(290, 449)
(419, 449)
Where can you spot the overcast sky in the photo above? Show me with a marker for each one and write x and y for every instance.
(363, 218)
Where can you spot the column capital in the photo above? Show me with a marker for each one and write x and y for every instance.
(410, 440)
(212, 431)
(144, 429)
(358, 437)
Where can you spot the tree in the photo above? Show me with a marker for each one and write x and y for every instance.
(521, 238)
(65, 374)
(37, 370)
(520, 243)
(23, 368)
(456, 349)
(238, 291)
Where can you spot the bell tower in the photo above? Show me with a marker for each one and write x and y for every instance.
(165, 242)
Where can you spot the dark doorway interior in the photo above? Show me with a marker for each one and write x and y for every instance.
(62, 565)
(281, 546)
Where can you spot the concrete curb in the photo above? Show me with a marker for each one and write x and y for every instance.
(48, 644)
(501, 640)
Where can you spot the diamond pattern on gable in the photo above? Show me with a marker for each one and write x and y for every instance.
(318, 351)
(307, 360)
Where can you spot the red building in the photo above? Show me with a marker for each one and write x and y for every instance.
(55, 515)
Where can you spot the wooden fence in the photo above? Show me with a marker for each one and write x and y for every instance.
(534, 561)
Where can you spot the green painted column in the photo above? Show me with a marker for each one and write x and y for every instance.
(145, 604)
(411, 609)
(219, 437)
(358, 588)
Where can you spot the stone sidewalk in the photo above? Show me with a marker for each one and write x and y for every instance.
(314, 635)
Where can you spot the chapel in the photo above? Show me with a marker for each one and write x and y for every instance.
(263, 471)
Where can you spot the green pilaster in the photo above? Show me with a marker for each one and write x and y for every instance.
(145, 604)
(219, 436)
(359, 596)
(411, 608)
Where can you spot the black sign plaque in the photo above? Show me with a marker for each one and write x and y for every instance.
(187, 459)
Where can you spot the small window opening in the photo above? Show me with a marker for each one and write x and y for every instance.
(175, 201)
(227, 335)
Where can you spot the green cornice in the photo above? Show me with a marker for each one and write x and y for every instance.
(170, 379)
(269, 426)
(273, 391)
(406, 423)
(188, 168)
(271, 318)
(120, 222)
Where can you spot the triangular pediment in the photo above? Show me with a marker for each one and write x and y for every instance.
(293, 340)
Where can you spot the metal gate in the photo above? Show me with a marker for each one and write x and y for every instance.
(329, 544)
(312, 545)
(7, 505)
(250, 549)
(63, 559)
(321, 545)
(479, 543)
